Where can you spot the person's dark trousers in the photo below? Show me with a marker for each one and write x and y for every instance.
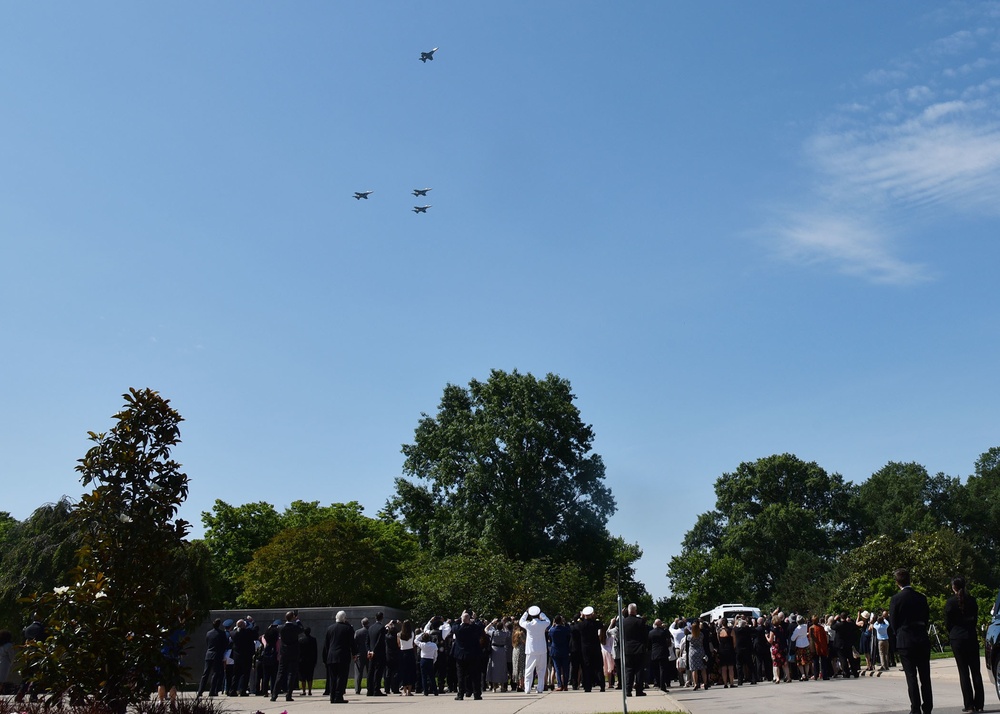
(916, 663)
(587, 678)
(270, 678)
(376, 670)
(337, 674)
(241, 673)
(660, 670)
(635, 671)
(427, 675)
(360, 667)
(392, 676)
(215, 669)
(561, 665)
(748, 669)
(576, 675)
(468, 677)
(849, 666)
(288, 673)
(672, 672)
(970, 675)
(621, 672)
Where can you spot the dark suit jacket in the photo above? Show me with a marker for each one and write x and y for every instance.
(466, 643)
(376, 641)
(909, 615)
(635, 631)
(289, 635)
(243, 645)
(590, 639)
(339, 646)
(659, 644)
(218, 642)
(361, 642)
(962, 625)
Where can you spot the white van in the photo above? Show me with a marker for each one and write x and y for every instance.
(730, 610)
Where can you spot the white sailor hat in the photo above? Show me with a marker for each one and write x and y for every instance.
(587, 610)
(534, 611)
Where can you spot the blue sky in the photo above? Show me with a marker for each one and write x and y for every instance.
(737, 228)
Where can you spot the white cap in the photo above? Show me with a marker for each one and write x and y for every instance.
(534, 611)
(587, 610)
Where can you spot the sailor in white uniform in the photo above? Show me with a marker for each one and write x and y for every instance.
(535, 623)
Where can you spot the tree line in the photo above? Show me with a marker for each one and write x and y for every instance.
(786, 532)
(502, 501)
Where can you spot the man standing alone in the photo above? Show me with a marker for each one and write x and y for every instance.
(908, 616)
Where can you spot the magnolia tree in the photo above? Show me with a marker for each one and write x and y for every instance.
(107, 626)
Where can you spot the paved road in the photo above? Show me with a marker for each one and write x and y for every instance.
(866, 695)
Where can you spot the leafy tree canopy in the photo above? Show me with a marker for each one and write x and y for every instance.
(902, 498)
(764, 511)
(506, 466)
(122, 599)
(343, 558)
(36, 555)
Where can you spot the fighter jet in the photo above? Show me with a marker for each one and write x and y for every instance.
(420, 209)
(424, 56)
(363, 194)
(421, 191)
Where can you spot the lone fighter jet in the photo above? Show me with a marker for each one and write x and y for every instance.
(421, 191)
(420, 209)
(363, 194)
(424, 56)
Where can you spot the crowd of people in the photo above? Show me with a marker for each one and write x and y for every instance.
(471, 654)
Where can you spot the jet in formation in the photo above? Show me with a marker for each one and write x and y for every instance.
(363, 194)
(424, 56)
(420, 209)
(421, 191)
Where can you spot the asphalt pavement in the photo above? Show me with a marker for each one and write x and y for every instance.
(866, 695)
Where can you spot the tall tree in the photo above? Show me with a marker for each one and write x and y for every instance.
(980, 521)
(233, 534)
(36, 555)
(764, 510)
(121, 601)
(507, 465)
(901, 499)
(343, 559)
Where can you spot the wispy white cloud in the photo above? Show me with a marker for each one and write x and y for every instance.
(926, 144)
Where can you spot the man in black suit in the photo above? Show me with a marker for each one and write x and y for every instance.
(217, 641)
(361, 650)
(909, 615)
(376, 657)
(659, 653)
(635, 632)
(339, 650)
(288, 657)
(467, 652)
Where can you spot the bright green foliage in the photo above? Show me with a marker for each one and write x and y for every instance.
(901, 499)
(36, 555)
(764, 511)
(233, 534)
(106, 626)
(506, 467)
(980, 522)
(494, 585)
(343, 558)
(933, 559)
